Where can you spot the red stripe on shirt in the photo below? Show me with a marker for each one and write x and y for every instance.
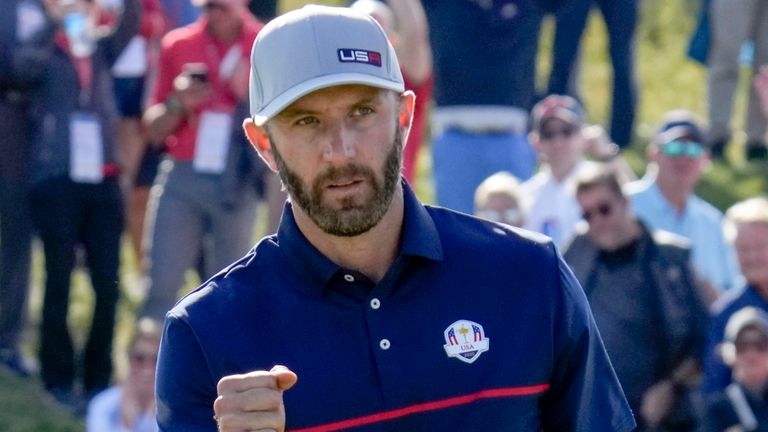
(427, 406)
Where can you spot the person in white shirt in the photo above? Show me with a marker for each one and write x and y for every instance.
(549, 201)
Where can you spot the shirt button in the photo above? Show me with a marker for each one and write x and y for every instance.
(375, 303)
(349, 278)
(384, 344)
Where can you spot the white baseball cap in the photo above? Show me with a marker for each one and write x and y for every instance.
(316, 47)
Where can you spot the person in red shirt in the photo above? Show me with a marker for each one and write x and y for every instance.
(202, 79)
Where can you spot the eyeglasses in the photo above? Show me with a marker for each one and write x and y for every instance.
(510, 216)
(552, 133)
(677, 148)
(602, 209)
(143, 358)
(211, 6)
(756, 344)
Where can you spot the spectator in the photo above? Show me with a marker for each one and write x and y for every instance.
(665, 198)
(202, 78)
(548, 197)
(642, 292)
(760, 83)
(731, 25)
(131, 73)
(75, 197)
(406, 26)
(484, 65)
(498, 199)
(26, 43)
(747, 227)
(130, 405)
(743, 405)
(570, 18)
(375, 273)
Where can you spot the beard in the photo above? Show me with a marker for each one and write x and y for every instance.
(352, 216)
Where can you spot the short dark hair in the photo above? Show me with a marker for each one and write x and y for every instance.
(598, 175)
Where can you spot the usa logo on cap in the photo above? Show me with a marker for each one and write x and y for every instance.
(352, 55)
(465, 340)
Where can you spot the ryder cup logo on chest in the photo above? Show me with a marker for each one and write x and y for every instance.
(465, 340)
(351, 55)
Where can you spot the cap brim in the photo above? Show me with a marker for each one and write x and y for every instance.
(296, 92)
(678, 132)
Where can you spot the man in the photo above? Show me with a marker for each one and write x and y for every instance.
(201, 195)
(548, 198)
(747, 226)
(379, 305)
(642, 292)
(485, 64)
(26, 42)
(665, 198)
(731, 25)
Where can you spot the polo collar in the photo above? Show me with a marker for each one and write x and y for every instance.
(419, 239)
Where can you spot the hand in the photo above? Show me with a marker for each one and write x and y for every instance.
(192, 93)
(658, 402)
(253, 401)
(598, 144)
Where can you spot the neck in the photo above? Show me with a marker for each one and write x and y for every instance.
(371, 253)
(561, 171)
(226, 34)
(675, 195)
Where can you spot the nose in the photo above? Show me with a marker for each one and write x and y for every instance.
(339, 143)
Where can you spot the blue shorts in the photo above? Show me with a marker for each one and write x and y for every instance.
(129, 94)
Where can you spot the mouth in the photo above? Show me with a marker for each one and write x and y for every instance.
(346, 184)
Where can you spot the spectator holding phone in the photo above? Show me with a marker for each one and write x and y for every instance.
(202, 77)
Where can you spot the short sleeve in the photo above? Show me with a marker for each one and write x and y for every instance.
(185, 388)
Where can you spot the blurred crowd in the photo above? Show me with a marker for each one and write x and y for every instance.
(120, 119)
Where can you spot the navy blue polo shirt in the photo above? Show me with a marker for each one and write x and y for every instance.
(475, 327)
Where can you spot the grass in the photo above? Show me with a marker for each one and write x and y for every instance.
(667, 80)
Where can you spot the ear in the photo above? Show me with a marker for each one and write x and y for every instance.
(405, 118)
(259, 140)
(533, 139)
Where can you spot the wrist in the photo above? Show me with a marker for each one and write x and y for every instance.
(173, 105)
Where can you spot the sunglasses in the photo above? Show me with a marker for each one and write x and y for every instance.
(143, 358)
(677, 148)
(510, 216)
(211, 6)
(757, 344)
(552, 133)
(602, 209)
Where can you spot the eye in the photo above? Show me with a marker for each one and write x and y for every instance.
(308, 120)
(362, 110)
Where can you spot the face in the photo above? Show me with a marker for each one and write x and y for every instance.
(608, 216)
(222, 13)
(338, 152)
(680, 162)
(751, 244)
(500, 207)
(559, 142)
(751, 361)
(143, 360)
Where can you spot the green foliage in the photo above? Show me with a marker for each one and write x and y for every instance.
(26, 408)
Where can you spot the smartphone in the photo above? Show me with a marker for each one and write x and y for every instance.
(197, 72)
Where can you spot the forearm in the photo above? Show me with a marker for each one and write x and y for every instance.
(163, 119)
